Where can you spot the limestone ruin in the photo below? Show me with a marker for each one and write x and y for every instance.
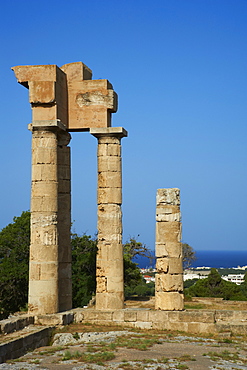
(63, 100)
(109, 269)
(169, 268)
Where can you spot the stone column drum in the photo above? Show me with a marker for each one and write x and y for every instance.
(109, 266)
(169, 269)
(50, 253)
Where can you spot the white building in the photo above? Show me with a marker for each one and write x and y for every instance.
(237, 279)
(188, 274)
(149, 278)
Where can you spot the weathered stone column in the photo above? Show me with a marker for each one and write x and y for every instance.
(64, 222)
(169, 269)
(67, 99)
(50, 253)
(109, 271)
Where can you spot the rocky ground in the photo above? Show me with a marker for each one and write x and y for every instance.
(89, 347)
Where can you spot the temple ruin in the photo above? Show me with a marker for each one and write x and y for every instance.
(64, 100)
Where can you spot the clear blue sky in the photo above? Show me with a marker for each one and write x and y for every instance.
(180, 70)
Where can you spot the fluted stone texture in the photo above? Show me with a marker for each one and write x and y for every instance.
(109, 265)
(50, 288)
(168, 250)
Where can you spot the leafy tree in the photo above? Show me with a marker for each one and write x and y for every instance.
(14, 262)
(142, 290)
(133, 280)
(188, 283)
(132, 274)
(84, 250)
(189, 255)
(14, 259)
(145, 289)
(132, 248)
(215, 286)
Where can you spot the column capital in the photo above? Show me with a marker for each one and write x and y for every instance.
(108, 131)
(46, 124)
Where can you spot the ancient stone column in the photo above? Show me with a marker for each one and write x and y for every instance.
(109, 266)
(66, 99)
(50, 252)
(169, 269)
(64, 222)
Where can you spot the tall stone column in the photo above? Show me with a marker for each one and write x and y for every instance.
(50, 253)
(169, 268)
(109, 266)
(62, 100)
(64, 222)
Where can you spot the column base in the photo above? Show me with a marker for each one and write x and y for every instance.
(109, 301)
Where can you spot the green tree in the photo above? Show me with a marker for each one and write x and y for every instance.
(189, 255)
(132, 248)
(84, 250)
(145, 289)
(188, 283)
(132, 275)
(133, 281)
(14, 259)
(14, 262)
(215, 286)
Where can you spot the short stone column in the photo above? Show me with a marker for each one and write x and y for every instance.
(50, 289)
(169, 269)
(109, 266)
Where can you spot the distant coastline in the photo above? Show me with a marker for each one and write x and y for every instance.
(217, 259)
(208, 258)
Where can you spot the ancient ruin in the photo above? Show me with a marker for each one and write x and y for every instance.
(109, 271)
(63, 100)
(169, 268)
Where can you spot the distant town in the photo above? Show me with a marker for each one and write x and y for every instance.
(233, 274)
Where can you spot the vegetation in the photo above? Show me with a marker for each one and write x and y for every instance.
(226, 271)
(215, 286)
(88, 357)
(84, 250)
(14, 259)
(224, 355)
(134, 284)
(189, 255)
(136, 343)
(188, 283)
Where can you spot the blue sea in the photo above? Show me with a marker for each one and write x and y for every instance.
(207, 258)
(219, 259)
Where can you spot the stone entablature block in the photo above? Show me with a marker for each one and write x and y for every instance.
(68, 94)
